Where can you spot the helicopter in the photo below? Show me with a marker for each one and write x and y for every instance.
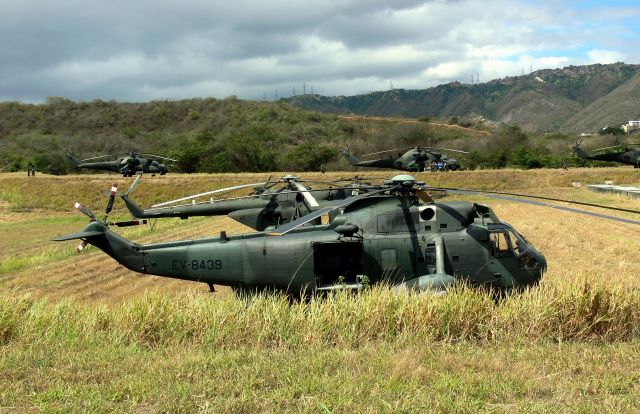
(383, 236)
(413, 159)
(126, 164)
(625, 154)
(264, 208)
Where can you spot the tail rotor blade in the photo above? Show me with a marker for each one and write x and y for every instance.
(129, 223)
(81, 246)
(112, 196)
(85, 211)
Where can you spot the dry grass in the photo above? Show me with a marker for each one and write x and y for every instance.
(80, 333)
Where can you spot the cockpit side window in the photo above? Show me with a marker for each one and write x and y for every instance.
(507, 243)
(500, 245)
(517, 245)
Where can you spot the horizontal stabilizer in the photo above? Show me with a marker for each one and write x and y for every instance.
(79, 235)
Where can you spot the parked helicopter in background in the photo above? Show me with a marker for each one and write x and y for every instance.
(383, 236)
(267, 206)
(126, 164)
(416, 159)
(626, 154)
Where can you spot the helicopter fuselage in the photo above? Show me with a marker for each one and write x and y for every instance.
(127, 166)
(628, 156)
(381, 239)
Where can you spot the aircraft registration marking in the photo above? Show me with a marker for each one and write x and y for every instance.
(197, 265)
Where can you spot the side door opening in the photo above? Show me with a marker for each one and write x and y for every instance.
(337, 262)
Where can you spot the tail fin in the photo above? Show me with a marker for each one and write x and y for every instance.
(73, 160)
(135, 210)
(94, 234)
(581, 153)
(80, 235)
(347, 155)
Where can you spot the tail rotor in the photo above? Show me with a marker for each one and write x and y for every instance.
(108, 209)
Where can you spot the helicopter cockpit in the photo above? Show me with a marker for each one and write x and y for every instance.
(506, 242)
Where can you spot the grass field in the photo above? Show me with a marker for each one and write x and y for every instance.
(81, 333)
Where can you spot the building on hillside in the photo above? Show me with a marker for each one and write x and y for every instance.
(631, 126)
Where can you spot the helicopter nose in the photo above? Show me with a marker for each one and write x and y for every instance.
(540, 266)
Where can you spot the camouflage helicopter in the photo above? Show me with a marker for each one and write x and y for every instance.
(266, 207)
(384, 236)
(413, 159)
(625, 154)
(126, 164)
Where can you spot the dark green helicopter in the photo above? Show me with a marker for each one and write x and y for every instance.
(267, 206)
(625, 154)
(414, 159)
(126, 164)
(384, 236)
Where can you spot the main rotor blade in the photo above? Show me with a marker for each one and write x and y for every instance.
(222, 190)
(382, 152)
(268, 195)
(100, 156)
(450, 149)
(158, 156)
(513, 197)
(341, 180)
(311, 201)
(135, 184)
(282, 230)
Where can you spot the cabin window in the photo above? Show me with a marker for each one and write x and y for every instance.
(388, 259)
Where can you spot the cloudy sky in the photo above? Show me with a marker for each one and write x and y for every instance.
(154, 49)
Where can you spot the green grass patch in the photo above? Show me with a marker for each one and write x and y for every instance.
(574, 349)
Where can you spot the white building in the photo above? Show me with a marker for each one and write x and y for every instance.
(632, 125)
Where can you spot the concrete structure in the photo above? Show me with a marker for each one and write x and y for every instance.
(615, 189)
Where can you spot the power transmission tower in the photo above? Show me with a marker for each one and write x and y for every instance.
(304, 88)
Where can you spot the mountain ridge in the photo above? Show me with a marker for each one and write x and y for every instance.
(546, 100)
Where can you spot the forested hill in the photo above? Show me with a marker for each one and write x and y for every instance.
(572, 99)
(204, 135)
(232, 135)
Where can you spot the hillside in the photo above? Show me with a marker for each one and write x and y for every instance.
(545, 101)
(624, 102)
(232, 135)
(229, 135)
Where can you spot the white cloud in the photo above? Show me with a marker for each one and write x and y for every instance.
(158, 49)
(605, 56)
